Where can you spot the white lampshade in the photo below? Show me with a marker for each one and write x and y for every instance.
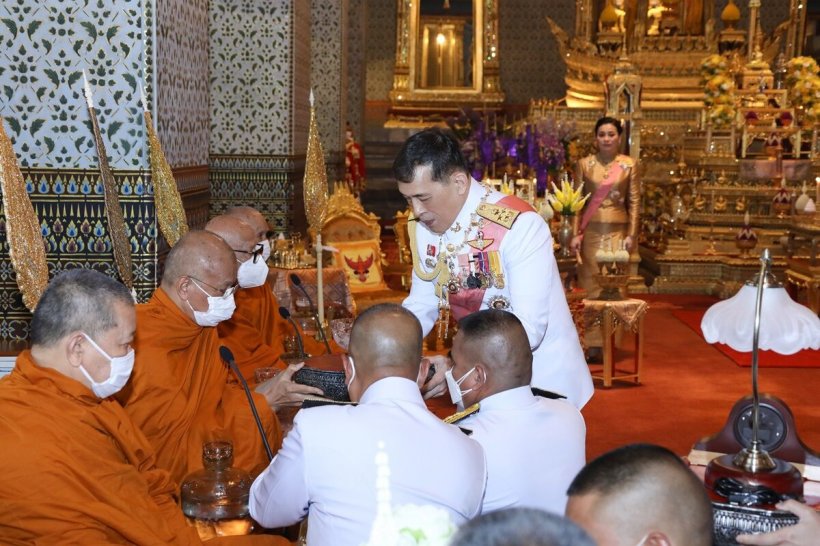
(786, 327)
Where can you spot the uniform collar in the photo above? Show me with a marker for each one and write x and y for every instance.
(393, 388)
(517, 398)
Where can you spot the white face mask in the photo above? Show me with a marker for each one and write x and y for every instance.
(456, 394)
(118, 374)
(220, 308)
(352, 372)
(265, 249)
(251, 275)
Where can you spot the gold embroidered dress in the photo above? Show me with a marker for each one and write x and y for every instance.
(615, 218)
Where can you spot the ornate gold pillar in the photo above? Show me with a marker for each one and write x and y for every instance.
(754, 7)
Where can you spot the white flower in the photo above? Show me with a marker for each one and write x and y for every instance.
(423, 525)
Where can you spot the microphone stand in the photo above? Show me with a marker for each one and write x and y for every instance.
(297, 282)
(285, 314)
(227, 356)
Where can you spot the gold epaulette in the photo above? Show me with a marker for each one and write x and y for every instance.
(498, 214)
(460, 416)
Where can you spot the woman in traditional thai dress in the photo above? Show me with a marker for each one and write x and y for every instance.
(611, 213)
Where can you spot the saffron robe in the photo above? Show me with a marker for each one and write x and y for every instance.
(256, 332)
(76, 470)
(179, 394)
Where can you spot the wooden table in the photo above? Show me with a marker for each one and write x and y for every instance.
(610, 314)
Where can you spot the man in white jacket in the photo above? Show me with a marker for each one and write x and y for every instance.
(326, 467)
(475, 248)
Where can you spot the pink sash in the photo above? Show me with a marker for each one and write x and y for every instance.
(469, 300)
(600, 194)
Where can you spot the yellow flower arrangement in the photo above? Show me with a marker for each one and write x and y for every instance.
(568, 200)
(712, 66)
(803, 80)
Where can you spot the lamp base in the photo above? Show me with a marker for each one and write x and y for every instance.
(728, 483)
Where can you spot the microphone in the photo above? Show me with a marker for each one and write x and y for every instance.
(227, 356)
(285, 314)
(297, 282)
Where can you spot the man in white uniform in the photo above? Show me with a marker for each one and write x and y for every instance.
(475, 248)
(534, 445)
(326, 467)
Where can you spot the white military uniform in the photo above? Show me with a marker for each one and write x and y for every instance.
(325, 468)
(534, 448)
(533, 290)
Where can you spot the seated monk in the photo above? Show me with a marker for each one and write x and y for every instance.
(77, 469)
(242, 337)
(179, 394)
(256, 333)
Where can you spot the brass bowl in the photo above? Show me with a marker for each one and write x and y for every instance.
(613, 287)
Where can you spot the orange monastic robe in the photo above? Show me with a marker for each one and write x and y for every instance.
(255, 333)
(76, 470)
(180, 397)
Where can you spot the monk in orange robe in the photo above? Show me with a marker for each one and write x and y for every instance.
(238, 333)
(76, 468)
(257, 331)
(179, 394)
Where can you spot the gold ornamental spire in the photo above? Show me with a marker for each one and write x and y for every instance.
(116, 222)
(26, 248)
(315, 181)
(168, 204)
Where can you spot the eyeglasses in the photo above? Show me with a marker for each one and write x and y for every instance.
(225, 293)
(256, 253)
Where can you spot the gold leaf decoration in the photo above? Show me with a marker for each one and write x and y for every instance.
(26, 247)
(315, 181)
(113, 211)
(170, 213)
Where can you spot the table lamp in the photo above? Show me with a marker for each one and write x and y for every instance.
(760, 316)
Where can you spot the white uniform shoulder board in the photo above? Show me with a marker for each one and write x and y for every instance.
(498, 214)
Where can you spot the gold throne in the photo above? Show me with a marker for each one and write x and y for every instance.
(356, 235)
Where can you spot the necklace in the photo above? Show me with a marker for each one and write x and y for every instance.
(606, 166)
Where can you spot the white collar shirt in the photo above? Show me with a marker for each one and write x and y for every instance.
(534, 448)
(326, 470)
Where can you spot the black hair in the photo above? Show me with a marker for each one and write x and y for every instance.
(77, 300)
(607, 120)
(521, 527)
(439, 148)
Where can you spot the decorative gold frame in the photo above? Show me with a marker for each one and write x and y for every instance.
(405, 97)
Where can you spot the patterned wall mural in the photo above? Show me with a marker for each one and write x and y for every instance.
(356, 64)
(328, 71)
(45, 47)
(381, 48)
(255, 50)
(182, 102)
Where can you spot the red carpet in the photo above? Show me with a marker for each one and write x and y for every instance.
(688, 387)
(768, 359)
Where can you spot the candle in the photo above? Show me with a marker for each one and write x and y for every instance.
(143, 99)
(817, 190)
(311, 97)
(746, 219)
(319, 288)
(89, 99)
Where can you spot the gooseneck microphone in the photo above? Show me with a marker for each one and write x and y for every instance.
(285, 314)
(227, 356)
(297, 282)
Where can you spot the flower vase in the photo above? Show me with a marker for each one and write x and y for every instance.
(565, 233)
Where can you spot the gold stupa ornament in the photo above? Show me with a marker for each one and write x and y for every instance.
(26, 248)
(315, 181)
(116, 222)
(168, 204)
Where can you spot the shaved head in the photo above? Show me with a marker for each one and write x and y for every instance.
(239, 235)
(253, 218)
(203, 255)
(386, 341)
(497, 339)
(639, 491)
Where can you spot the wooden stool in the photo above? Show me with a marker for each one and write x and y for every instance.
(610, 314)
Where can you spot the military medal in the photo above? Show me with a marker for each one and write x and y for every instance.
(499, 302)
(452, 286)
(430, 262)
(473, 281)
(495, 269)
